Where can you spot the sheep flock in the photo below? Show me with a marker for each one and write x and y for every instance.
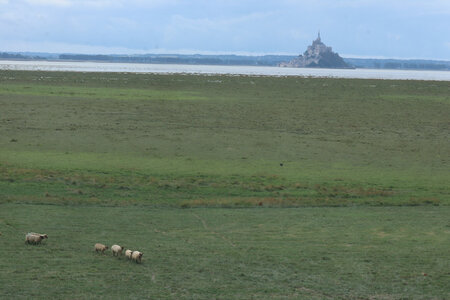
(33, 238)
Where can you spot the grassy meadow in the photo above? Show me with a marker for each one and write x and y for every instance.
(343, 185)
(208, 253)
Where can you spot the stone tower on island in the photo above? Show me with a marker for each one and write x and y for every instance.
(318, 55)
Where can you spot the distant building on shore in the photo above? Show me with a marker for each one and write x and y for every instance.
(318, 55)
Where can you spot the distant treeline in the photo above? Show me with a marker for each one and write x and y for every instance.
(266, 60)
(237, 60)
(18, 56)
(410, 64)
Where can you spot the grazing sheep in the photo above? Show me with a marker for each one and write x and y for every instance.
(116, 250)
(34, 238)
(128, 253)
(137, 256)
(100, 247)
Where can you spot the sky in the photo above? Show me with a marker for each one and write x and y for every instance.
(354, 28)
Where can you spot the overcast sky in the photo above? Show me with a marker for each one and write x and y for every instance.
(354, 28)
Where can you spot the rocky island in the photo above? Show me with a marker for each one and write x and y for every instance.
(318, 55)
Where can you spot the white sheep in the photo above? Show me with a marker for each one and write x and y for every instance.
(116, 250)
(137, 256)
(100, 248)
(128, 253)
(34, 238)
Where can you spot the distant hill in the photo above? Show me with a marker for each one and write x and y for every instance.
(230, 60)
(318, 55)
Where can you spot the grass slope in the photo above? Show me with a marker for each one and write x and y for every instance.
(183, 140)
(313, 253)
(344, 184)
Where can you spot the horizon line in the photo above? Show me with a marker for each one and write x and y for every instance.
(218, 53)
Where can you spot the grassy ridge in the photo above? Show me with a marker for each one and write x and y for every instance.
(182, 140)
(109, 158)
(312, 253)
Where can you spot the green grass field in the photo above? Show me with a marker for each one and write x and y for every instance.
(260, 253)
(343, 185)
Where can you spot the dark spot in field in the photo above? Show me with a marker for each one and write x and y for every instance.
(281, 164)
(13, 141)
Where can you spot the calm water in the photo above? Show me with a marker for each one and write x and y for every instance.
(230, 70)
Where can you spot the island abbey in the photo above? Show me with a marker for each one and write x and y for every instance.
(318, 55)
